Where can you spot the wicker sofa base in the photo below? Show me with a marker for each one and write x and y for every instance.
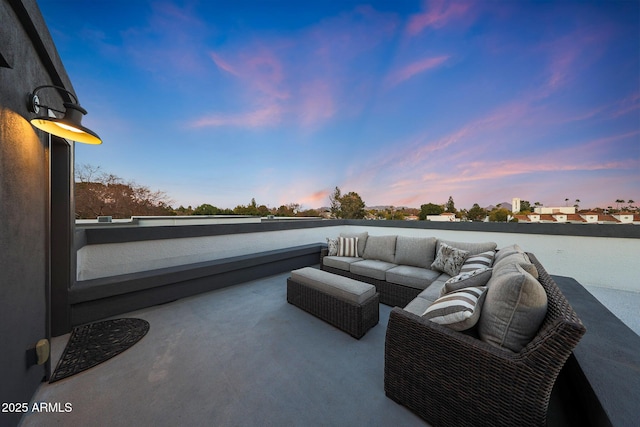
(391, 294)
(453, 379)
(352, 318)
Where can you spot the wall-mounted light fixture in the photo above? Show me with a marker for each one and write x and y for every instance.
(69, 126)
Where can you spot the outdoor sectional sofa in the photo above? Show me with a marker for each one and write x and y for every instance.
(398, 266)
(495, 365)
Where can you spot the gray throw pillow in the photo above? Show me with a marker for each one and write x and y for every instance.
(332, 245)
(472, 248)
(475, 278)
(449, 259)
(520, 258)
(506, 251)
(513, 310)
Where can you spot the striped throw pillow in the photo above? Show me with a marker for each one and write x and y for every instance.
(459, 310)
(348, 246)
(474, 262)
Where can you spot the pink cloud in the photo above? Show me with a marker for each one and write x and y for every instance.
(316, 103)
(408, 171)
(222, 64)
(172, 39)
(627, 105)
(437, 14)
(307, 75)
(264, 71)
(315, 199)
(569, 55)
(258, 69)
(414, 68)
(267, 116)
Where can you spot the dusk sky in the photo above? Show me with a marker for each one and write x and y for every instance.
(404, 102)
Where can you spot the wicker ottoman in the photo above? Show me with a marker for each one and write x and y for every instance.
(345, 303)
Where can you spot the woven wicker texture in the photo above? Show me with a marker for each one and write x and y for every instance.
(352, 318)
(453, 379)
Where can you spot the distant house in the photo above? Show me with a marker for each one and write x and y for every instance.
(626, 217)
(580, 218)
(554, 209)
(444, 217)
(561, 217)
(590, 217)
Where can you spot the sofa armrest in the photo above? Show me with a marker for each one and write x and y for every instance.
(450, 378)
(418, 338)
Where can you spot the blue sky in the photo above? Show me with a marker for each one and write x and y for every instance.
(404, 102)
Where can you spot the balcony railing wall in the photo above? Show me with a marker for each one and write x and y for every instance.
(599, 255)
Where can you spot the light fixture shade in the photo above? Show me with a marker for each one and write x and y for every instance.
(68, 127)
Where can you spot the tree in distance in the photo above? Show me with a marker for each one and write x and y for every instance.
(450, 206)
(430, 209)
(476, 213)
(348, 206)
(100, 194)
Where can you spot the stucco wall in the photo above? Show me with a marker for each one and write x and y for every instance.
(110, 259)
(24, 199)
(600, 261)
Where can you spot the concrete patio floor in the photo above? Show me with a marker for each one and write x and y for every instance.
(240, 356)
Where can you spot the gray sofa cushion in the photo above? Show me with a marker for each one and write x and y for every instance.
(381, 248)
(415, 251)
(332, 284)
(514, 308)
(418, 305)
(362, 240)
(371, 268)
(425, 298)
(519, 258)
(507, 250)
(414, 277)
(341, 262)
(472, 248)
(434, 290)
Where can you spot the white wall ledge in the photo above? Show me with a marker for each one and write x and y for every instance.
(602, 259)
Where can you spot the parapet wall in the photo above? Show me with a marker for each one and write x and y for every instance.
(599, 255)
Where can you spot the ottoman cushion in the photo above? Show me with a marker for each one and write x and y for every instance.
(332, 284)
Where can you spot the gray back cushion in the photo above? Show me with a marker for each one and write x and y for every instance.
(381, 248)
(506, 251)
(362, 240)
(521, 259)
(513, 310)
(472, 248)
(415, 251)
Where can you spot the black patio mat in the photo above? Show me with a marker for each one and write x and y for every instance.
(92, 344)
